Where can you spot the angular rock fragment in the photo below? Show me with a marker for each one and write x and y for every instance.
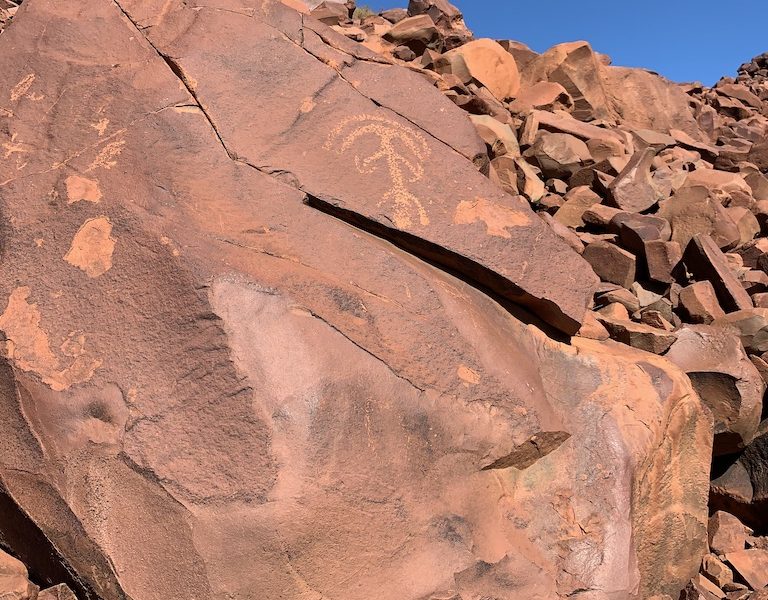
(752, 327)
(544, 95)
(705, 261)
(633, 189)
(577, 202)
(716, 571)
(638, 335)
(417, 33)
(634, 230)
(558, 155)
(661, 259)
(699, 303)
(725, 379)
(752, 565)
(14, 579)
(691, 211)
(485, 61)
(58, 592)
(611, 263)
(726, 534)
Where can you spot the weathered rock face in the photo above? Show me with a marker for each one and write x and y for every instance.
(214, 388)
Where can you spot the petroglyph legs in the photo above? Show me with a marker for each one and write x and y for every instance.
(396, 142)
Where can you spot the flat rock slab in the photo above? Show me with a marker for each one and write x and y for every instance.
(353, 147)
(752, 565)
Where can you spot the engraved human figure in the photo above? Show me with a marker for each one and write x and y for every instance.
(394, 138)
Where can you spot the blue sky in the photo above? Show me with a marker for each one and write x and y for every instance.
(684, 40)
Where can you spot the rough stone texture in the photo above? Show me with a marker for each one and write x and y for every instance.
(14, 580)
(705, 261)
(638, 335)
(485, 61)
(752, 326)
(611, 263)
(58, 592)
(725, 379)
(633, 189)
(726, 534)
(699, 303)
(752, 565)
(241, 392)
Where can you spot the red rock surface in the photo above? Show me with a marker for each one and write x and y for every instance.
(280, 318)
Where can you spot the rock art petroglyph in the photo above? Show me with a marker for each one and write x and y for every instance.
(396, 143)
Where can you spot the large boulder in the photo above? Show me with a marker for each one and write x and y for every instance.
(725, 379)
(221, 377)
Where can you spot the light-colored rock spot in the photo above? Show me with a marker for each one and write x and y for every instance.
(92, 247)
(467, 375)
(80, 188)
(497, 218)
(27, 345)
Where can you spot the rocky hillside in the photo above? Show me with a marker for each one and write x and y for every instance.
(301, 302)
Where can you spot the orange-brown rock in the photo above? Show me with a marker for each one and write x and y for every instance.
(14, 579)
(705, 261)
(611, 263)
(544, 95)
(486, 61)
(661, 258)
(638, 335)
(752, 326)
(726, 534)
(256, 395)
(699, 303)
(752, 565)
(633, 189)
(725, 379)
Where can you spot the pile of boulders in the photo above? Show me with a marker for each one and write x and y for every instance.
(755, 71)
(8, 8)
(15, 583)
(661, 188)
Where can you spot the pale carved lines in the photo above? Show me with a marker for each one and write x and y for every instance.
(396, 142)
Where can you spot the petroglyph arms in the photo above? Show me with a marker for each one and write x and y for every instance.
(400, 150)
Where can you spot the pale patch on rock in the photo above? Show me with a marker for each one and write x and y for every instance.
(22, 87)
(81, 188)
(467, 375)
(92, 247)
(497, 218)
(101, 126)
(27, 345)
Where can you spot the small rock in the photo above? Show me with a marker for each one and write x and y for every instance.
(661, 259)
(14, 580)
(727, 535)
(577, 202)
(716, 571)
(592, 329)
(637, 335)
(633, 189)
(699, 303)
(705, 261)
(612, 263)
